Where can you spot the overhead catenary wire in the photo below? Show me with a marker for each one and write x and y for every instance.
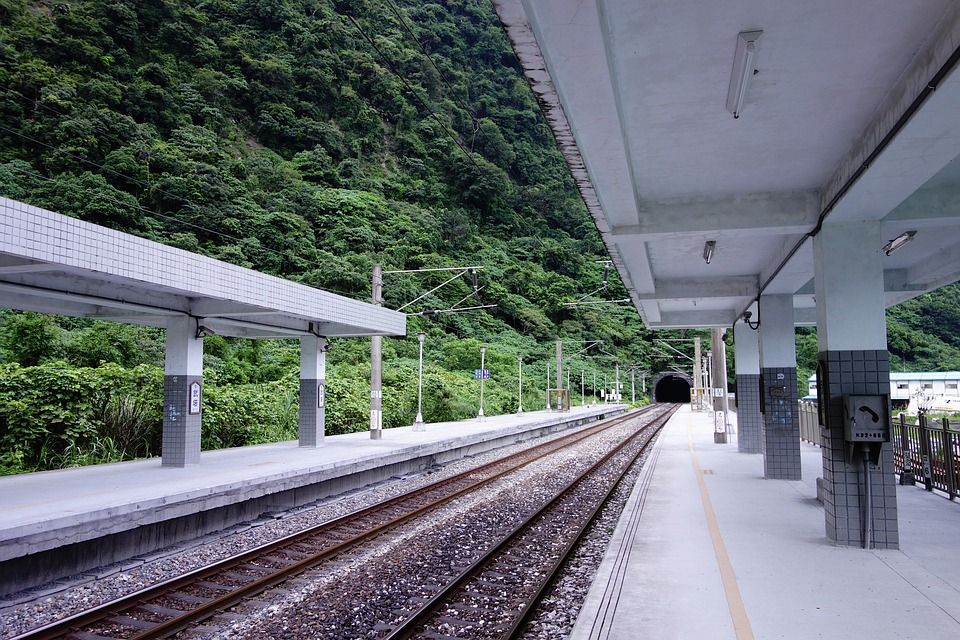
(142, 209)
(392, 68)
(406, 25)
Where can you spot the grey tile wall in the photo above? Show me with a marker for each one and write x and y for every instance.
(781, 424)
(855, 372)
(312, 416)
(749, 420)
(181, 429)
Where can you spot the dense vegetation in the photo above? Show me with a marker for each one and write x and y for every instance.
(309, 139)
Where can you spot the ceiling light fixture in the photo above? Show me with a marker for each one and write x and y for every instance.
(898, 242)
(708, 248)
(744, 68)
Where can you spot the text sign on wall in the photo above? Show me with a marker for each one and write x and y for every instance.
(194, 397)
(321, 392)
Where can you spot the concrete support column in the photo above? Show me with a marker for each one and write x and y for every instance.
(182, 393)
(778, 371)
(852, 359)
(313, 383)
(747, 361)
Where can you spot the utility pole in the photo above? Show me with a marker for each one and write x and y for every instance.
(594, 387)
(559, 371)
(583, 397)
(547, 389)
(520, 385)
(376, 355)
(483, 353)
(616, 384)
(633, 385)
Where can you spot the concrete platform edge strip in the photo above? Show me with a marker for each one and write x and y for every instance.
(50, 553)
(595, 620)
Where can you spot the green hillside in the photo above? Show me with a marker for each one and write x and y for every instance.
(308, 139)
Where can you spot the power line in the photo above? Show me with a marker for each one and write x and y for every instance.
(386, 61)
(426, 54)
(142, 209)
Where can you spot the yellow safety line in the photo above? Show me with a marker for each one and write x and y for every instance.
(738, 612)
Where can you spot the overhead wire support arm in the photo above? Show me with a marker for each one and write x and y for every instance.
(439, 286)
(433, 312)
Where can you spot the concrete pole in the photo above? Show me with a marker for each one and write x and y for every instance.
(616, 384)
(547, 389)
(583, 397)
(519, 386)
(182, 393)
(606, 396)
(376, 355)
(633, 386)
(313, 382)
(483, 354)
(594, 387)
(559, 364)
(643, 383)
(418, 423)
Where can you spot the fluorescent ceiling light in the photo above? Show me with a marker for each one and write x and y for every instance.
(744, 67)
(898, 242)
(708, 248)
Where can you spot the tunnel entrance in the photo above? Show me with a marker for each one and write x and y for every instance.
(672, 387)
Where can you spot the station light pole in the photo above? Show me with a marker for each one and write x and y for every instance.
(483, 353)
(519, 385)
(418, 423)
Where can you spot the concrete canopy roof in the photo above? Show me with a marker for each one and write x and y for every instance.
(841, 123)
(56, 264)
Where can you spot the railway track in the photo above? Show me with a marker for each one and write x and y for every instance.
(165, 609)
(495, 596)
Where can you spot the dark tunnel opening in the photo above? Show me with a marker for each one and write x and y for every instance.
(672, 389)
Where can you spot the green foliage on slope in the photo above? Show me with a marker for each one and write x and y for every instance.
(309, 139)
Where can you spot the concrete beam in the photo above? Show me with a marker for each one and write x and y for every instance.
(695, 319)
(929, 207)
(26, 292)
(937, 267)
(759, 213)
(28, 268)
(731, 287)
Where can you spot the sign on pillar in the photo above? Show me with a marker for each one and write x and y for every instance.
(182, 392)
(313, 390)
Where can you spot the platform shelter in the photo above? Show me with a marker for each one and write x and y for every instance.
(53, 263)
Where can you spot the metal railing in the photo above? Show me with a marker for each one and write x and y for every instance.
(809, 422)
(927, 451)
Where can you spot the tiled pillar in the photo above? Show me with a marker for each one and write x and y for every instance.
(313, 382)
(852, 359)
(778, 371)
(747, 360)
(182, 393)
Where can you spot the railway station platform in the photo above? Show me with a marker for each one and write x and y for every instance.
(58, 523)
(707, 548)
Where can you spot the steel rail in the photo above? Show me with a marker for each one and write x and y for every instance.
(413, 625)
(202, 611)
